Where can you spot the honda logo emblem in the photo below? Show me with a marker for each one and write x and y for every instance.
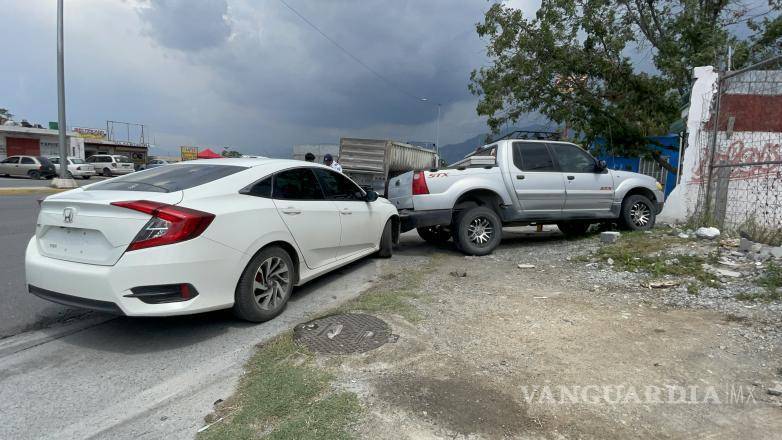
(67, 215)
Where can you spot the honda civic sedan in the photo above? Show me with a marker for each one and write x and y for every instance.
(204, 235)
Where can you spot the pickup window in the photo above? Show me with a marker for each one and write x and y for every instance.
(573, 159)
(532, 156)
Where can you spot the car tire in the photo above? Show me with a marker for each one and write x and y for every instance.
(85, 177)
(573, 229)
(637, 213)
(254, 303)
(436, 235)
(106, 172)
(35, 175)
(386, 242)
(473, 226)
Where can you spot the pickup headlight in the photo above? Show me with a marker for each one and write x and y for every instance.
(659, 186)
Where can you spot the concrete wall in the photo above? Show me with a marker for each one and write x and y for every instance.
(749, 130)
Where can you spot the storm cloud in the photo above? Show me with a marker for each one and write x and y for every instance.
(252, 74)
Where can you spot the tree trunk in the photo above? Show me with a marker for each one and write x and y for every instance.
(664, 163)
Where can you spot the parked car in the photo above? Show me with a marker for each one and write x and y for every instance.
(111, 164)
(154, 163)
(34, 167)
(77, 167)
(522, 182)
(203, 235)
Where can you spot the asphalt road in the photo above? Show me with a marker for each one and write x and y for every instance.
(19, 310)
(148, 378)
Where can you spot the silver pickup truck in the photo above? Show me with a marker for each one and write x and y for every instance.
(517, 183)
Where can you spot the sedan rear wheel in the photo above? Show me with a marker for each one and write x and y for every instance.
(265, 286)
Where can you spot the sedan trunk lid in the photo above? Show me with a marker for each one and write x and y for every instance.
(82, 226)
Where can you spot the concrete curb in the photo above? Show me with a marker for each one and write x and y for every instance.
(23, 341)
(30, 190)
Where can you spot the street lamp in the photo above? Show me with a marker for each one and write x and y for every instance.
(437, 130)
(63, 181)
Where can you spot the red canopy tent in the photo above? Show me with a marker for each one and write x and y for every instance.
(208, 154)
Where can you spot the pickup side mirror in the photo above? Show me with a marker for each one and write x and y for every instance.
(371, 196)
(600, 166)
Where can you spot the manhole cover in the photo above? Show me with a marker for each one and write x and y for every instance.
(343, 334)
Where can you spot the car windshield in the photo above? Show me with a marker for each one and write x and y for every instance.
(122, 159)
(77, 161)
(167, 179)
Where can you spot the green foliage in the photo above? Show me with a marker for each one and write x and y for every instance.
(569, 63)
(284, 396)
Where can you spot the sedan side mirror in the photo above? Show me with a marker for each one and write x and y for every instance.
(371, 196)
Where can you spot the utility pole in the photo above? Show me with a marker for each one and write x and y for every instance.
(437, 137)
(63, 181)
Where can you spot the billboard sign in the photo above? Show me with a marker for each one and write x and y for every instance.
(90, 133)
(188, 153)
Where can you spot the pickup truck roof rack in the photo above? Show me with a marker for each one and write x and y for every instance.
(527, 134)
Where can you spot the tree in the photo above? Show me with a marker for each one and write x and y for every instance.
(569, 63)
(5, 115)
(230, 153)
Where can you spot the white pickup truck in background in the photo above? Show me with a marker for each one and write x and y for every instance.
(521, 182)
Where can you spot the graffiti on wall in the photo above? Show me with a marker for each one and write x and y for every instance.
(740, 152)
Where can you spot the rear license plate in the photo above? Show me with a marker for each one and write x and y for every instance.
(73, 242)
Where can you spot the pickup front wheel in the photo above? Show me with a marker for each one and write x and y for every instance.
(478, 231)
(637, 213)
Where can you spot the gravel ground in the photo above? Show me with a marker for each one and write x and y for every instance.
(493, 337)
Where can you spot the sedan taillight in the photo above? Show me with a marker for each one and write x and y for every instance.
(169, 224)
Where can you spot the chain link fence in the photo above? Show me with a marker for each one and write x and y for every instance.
(741, 150)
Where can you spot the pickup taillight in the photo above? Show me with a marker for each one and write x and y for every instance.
(419, 184)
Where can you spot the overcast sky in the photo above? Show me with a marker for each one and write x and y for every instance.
(249, 74)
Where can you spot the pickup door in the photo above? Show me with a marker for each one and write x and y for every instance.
(538, 184)
(588, 192)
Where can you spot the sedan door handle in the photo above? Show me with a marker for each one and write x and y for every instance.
(346, 211)
(571, 177)
(291, 211)
(520, 176)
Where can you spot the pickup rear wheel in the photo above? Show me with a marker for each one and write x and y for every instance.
(436, 235)
(478, 231)
(637, 213)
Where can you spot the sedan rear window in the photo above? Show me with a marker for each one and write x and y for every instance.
(167, 179)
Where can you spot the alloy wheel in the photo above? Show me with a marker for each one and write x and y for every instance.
(271, 282)
(480, 231)
(640, 214)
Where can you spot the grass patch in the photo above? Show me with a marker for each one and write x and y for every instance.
(771, 281)
(283, 396)
(640, 252)
(394, 294)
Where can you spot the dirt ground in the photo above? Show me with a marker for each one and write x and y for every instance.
(568, 349)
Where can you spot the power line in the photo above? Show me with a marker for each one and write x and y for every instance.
(353, 57)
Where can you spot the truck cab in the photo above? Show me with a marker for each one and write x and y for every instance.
(522, 182)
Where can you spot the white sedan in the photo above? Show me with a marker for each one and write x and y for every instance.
(204, 235)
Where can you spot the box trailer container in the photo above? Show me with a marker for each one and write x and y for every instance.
(371, 162)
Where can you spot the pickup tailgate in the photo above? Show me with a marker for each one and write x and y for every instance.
(400, 190)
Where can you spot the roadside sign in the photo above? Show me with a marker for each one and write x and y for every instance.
(188, 153)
